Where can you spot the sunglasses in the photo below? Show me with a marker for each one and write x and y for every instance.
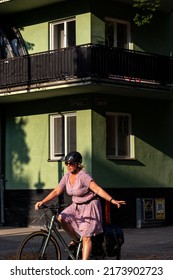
(69, 163)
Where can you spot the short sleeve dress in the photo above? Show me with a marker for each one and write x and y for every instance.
(85, 213)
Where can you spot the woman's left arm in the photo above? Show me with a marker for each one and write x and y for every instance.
(102, 193)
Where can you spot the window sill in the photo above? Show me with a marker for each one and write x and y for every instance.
(121, 158)
(55, 160)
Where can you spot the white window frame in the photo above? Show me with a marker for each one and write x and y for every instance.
(127, 23)
(65, 135)
(131, 149)
(52, 28)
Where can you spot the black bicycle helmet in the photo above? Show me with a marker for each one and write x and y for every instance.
(73, 157)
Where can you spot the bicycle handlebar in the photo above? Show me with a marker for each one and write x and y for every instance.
(52, 206)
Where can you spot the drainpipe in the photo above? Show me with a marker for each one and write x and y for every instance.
(2, 168)
(2, 221)
(138, 212)
(2, 189)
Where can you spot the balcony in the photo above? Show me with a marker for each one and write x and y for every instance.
(87, 63)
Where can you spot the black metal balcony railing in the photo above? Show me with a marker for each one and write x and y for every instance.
(86, 61)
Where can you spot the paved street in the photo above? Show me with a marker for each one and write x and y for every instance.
(148, 243)
(10, 240)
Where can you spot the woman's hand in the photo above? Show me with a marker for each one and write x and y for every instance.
(118, 202)
(38, 204)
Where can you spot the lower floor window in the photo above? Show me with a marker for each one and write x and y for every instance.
(119, 139)
(62, 135)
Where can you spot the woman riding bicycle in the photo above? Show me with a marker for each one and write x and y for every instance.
(84, 215)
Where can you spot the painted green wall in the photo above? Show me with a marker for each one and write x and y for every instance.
(27, 153)
(36, 37)
(27, 138)
(99, 148)
(90, 27)
(153, 131)
(83, 29)
(27, 144)
(84, 137)
(97, 30)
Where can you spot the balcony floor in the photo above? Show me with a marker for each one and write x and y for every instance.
(82, 87)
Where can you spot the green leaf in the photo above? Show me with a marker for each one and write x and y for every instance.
(145, 10)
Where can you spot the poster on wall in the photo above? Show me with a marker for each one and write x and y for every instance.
(148, 208)
(160, 208)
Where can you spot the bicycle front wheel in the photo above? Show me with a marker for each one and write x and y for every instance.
(32, 246)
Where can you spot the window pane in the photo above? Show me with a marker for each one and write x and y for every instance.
(58, 136)
(116, 34)
(71, 41)
(62, 135)
(109, 36)
(118, 135)
(59, 36)
(123, 136)
(71, 133)
(110, 135)
(121, 35)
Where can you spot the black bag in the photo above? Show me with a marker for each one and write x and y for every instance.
(114, 238)
(97, 246)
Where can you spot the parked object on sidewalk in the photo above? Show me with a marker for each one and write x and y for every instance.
(114, 239)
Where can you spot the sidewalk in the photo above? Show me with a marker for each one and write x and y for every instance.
(145, 243)
(17, 231)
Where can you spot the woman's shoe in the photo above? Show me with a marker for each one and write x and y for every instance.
(72, 245)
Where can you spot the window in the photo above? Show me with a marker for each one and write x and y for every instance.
(119, 140)
(117, 33)
(62, 34)
(62, 135)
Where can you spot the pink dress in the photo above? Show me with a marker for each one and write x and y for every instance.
(85, 213)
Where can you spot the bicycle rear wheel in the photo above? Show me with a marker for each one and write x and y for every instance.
(31, 247)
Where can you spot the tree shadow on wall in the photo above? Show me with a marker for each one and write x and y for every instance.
(17, 201)
(28, 45)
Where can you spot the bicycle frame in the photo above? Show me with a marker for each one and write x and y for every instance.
(52, 228)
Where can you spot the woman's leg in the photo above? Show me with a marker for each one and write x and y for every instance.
(68, 227)
(86, 247)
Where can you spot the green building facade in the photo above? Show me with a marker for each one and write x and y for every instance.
(122, 125)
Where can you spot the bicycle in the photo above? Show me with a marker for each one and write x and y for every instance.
(44, 243)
